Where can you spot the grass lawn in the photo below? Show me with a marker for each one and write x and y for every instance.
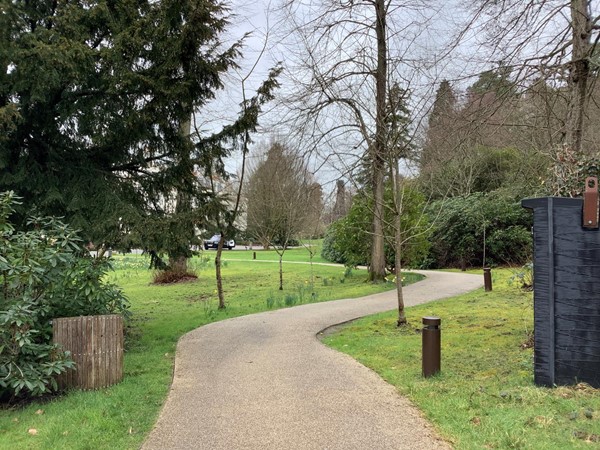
(120, 417)
(300, 253)
(484, 397)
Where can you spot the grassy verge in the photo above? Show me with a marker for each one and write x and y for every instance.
(121, 416)
(484, 397)
(300, 254)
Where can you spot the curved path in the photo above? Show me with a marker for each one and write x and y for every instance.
(264, 381)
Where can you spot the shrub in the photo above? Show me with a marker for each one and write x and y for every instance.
(510, 245)
(458, 233)
(348, 240)
(45, 274)
(523, 277)
(270, 300)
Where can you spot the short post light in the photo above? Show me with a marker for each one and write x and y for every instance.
(431, 345)
(487, 279)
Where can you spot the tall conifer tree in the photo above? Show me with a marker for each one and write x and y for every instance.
(93, 99)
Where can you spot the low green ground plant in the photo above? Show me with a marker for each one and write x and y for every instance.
(291, 299)
(484, 396)
(271, 299)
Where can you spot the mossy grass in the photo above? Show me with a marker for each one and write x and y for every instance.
(484, 396)
(121, 416)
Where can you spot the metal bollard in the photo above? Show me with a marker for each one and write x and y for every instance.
(253, 255)
(487, 279)
(431, 346)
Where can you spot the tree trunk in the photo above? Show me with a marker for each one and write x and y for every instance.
(178, 264)
(579, 73)
(178, 255)
(377, 266)
(218, 272)
(378, 150)
(398, 264)
(266, 243)
(312, 270)
(281, 272)
(395, 175)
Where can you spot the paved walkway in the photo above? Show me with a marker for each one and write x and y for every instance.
(264, 381)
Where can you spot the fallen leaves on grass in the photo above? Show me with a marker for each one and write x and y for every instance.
(587, 437)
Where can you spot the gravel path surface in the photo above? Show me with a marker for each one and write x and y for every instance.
(264, 381)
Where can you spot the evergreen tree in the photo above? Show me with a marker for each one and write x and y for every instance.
(442, 121)
(93, 99)
(397, 119)
(496, 81)
(444, 105)
(342, 203)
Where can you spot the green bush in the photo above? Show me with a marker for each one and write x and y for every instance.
(348, 240)
(291, 299)
(44, 275)
(458, 234)
(510, 245)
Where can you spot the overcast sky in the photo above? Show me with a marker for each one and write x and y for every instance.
(268, 44)
(429, 34)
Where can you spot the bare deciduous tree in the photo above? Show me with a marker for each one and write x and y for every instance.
(342, 73)
(224, 206)
(283, 200)
(551, 40)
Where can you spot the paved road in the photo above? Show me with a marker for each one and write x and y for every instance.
(264, 381)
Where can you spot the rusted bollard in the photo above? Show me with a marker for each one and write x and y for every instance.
(253, 255)
(431, 345)
(487, 279)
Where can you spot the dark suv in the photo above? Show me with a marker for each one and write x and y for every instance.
(213, 242)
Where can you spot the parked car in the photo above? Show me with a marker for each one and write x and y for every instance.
(213, 242)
